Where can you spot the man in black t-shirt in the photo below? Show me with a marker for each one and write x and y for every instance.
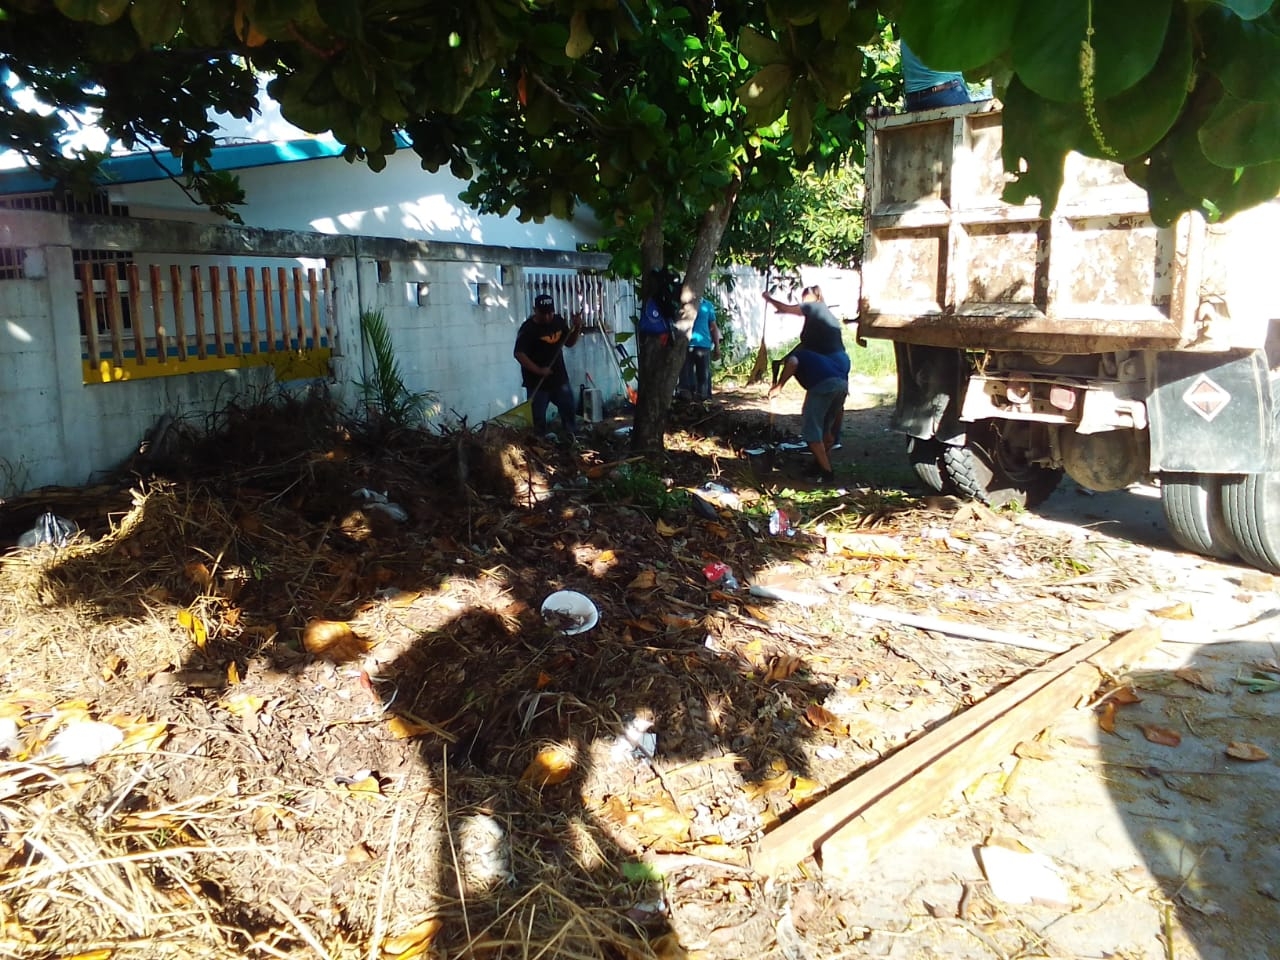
(540, 347)
(821, 332)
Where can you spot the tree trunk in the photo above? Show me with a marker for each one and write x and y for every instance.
(660, 365)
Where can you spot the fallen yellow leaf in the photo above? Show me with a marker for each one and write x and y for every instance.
(194, 625)
(143, 737)
(233, 674)
(1239, 750)
(644, 580)
(369, 788)
(803, 789)
(863, 545)
(782, 667)
(1179, 611)
(243, 705)
(404, 729)
(414, 942)
(333, 640)
(554, 764)
(666, 529)
(820, 718)
(757, 612)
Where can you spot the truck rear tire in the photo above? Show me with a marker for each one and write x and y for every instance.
(1194, 514)
(1251, 509)
(926, 459)
(993, 471)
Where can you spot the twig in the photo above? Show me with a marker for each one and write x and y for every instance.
(311, 562)
(379, 916)
(303, 930)
(950, 627)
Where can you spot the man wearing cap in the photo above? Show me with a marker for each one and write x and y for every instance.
(540, 347)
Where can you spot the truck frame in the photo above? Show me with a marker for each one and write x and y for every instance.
(1088, 341)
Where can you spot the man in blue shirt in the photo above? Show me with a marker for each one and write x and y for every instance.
(825, 378)
(704, 346)
(927, 88)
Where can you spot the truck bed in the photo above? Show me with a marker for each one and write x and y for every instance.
(949, 263)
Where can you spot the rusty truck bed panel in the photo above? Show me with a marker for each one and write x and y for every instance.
(949, 263)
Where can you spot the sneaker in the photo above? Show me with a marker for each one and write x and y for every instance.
(818, 475)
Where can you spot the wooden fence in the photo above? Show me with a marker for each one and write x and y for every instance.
(173, 319)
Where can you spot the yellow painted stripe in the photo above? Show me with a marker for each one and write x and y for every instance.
(288, 365)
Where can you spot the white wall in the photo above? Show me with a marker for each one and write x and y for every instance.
(332, 196)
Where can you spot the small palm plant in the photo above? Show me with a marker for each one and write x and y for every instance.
(390, 404)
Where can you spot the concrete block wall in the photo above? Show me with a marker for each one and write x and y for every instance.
(31, 436)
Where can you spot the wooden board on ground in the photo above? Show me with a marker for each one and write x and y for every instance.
(903, 783)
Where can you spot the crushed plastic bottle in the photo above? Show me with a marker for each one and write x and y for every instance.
(721, 573)
(780, 525)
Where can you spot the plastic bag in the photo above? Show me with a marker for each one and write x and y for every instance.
(51, 530)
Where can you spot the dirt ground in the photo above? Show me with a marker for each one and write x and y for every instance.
(346, 729)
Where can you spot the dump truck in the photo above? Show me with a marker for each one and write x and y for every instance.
(1087, 340)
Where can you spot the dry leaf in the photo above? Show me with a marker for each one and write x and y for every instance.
(194, 625)
(233, 674)
(804, 789)
(782, 667)
(404, 729)
(1123, 695)
(678, 623)
(605, 556)
(554, 764)
(111, 666)
(198, 574)
(243, 705)
(1179, 611)
(1107, 717)
(820, 718)
(333, 640)
(645, 580)
(103, 953)
(367, 787)
(666, 529)
(359, 854)
(1032, 750)
(757, 613)
(543, 681)
(1239, 750)
(143, 737)
(659, 819)
(644, 626)
(1195, 678)
(863, 545)
(1161, 735)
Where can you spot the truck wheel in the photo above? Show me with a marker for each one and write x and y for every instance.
(994, 471)
(926, 459)
(1251, 508)
(1194, 514)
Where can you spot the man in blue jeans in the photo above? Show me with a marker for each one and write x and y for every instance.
(540, 347)
(927, 88)
(825, 378)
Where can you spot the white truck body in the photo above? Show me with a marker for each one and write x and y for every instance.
(1090, 340)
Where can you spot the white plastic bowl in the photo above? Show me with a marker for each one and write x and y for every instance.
(570, 603)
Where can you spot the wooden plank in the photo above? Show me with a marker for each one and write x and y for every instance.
(808, 830)
(157, 313)
(313, 289)
(139, 333)
(299, 314)
(114, 321)
(251, 295)
(862, 838)
(197, 303)
(283, 276)
(215, 295)
(268, 309)
(233, 290)
(90, 300)
(330, 309)
(951, 627)
(179, 322)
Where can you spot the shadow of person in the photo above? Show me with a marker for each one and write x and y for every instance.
(560, 818)
(1203, 814)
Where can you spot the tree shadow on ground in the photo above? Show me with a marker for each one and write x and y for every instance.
(1201, 820)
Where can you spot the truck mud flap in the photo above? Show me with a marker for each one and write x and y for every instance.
(1211, 413)
(930, 383)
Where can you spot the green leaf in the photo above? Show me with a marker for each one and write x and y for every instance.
(1137, 119)
(833, 16)
(1041, 133)
(342, 16)
(641, 872)
(155, 21)
(206, 21)
(765, 94)
(1128, 38)
(1245, 9)
(580, 36)
(759, 49)
(960, 34)
(1243, 54)
(1240, 133)
(100, 12)
(800, 118)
